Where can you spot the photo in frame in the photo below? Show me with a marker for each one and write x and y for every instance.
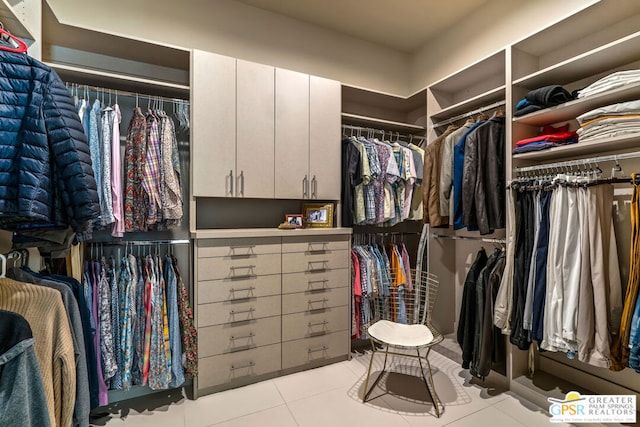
(318, 214)
(294, 219)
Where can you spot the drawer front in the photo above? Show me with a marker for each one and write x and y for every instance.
(225, 368)
(238, 268)
(233, 337)
(314, 323)
(237, 248)
(315, 244)
(295, 262)
(315, 281)
(238, 289)
(300, 352)
(315, 301)
(245, 310)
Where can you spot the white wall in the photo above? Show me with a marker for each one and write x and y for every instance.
(497, 25)
(235, 29)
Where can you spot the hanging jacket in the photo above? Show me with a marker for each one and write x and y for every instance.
(22, 398)
(466, 322)
(46, 177)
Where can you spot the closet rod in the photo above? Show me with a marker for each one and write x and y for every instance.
(384, 132)
(143, 242)
(580, 162)
(80, 87)
(469, 114)
(484, 239)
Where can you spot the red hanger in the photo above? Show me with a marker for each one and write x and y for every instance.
(21, 46)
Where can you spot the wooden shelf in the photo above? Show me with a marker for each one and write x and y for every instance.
(75, 74)
(354, 119)
(473, 75)
(12, 22)
(267, 232)
(623, 142)
(606, 57)
(572, 109)
(467, 105)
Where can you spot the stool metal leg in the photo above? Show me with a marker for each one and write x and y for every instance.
(367, 391)
(433, 395)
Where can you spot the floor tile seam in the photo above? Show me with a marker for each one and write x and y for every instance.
(457, 419)
(244, 415)
(314, 394)
(512, 417)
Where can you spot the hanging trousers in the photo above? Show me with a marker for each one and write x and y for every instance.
(620, 346)
(542, 249)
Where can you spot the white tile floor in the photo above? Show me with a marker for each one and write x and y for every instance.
(330, 397)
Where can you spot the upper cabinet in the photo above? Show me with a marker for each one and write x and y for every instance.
(254, 130)
(292, 135)
(263, 132)
(324, 138)
(307, 136)
(213, 128)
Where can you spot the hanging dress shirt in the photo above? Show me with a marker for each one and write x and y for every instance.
(187, 327)
(106, 203)
(116, 175)
(129, 279)
(171, 194)
(152, 171)
(134, 157)
(171, 282)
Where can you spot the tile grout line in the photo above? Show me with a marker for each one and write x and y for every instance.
(286, 404)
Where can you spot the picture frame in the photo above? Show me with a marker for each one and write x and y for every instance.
(318, 214)
(294, 219)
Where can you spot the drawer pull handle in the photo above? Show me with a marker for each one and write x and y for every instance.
(249, 289)
(315, 350)
(248, 365)
(313, 265)
(244, 337)
(248, 253)
(242, 247)
(318, 301)
(323, 281)
(323, 323)
(311, 247)
(248, 267)
(234, 312)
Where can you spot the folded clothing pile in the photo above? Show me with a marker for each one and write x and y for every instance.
(610, 82)
(610, 121)
(541, 98)
(549, 137)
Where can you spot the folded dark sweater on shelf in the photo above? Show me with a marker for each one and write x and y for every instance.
(543, 97)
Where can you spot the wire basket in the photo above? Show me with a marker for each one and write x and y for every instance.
(395, 297)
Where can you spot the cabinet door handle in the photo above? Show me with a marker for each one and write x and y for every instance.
(314, 187)
(241, 184)
(231, 183)
(248, 365)
(305, 187)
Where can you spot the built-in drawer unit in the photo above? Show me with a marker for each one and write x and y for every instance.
(265, 304)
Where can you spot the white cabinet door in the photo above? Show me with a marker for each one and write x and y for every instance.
(292, 179)
(213, 124)
(324, 138)
(255, 130)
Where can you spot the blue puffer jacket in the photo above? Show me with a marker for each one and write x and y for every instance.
(45, 168)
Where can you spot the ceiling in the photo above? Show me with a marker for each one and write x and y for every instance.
(408, 24)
